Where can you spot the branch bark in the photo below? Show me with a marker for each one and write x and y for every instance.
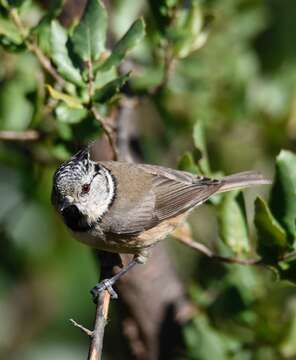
(28, 135)
(33, 47)
(96, 345)
(107, 262)
(185, 239)
(108, 132)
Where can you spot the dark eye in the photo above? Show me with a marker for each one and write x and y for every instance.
(85, 188)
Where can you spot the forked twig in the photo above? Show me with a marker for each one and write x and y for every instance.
(97, 335)
(82, 328)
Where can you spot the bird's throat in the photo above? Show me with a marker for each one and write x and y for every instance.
(75, 220)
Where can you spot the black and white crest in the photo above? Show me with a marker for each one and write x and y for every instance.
(72, 170)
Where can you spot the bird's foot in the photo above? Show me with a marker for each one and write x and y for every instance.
(105, 284)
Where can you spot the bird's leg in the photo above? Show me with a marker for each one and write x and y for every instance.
(107, 284)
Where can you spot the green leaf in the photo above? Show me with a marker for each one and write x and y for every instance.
(283, 194)
(110, 89)
(272, 241)
(60, 54)
(162, 13)
(69, 115)
(132, 37)
(186, 163)
(233, 223)
(102, 78)
(71, 101)
(9, 30)
(60, 152)
(42, 30)
(89, 36)
(288, 271)
(204, 342)
(288, 344)
(200, 143)
(15, 110)
(65, 131)
(190, 36)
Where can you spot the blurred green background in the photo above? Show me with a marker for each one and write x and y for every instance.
(241, 85)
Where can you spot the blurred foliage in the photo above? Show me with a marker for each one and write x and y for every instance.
(218, 78)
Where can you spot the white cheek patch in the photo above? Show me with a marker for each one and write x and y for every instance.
(101, 196)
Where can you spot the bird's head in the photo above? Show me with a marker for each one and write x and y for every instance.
(83, 190)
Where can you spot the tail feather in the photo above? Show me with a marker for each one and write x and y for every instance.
(242, 180)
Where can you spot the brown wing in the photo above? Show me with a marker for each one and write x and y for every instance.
(177, 191)
(151, 194)
(133, 206)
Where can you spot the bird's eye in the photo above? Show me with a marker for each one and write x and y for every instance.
(85, 188)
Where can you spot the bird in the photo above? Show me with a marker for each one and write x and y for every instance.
(124, 207)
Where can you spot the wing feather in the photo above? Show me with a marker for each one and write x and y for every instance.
(174, 198)
(158, 194)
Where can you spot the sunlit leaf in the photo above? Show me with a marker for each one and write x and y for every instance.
(233, 223)
(71, 101)
(132, 37)
(110, 89)
(102, 78)
(60, 54)
(42, 30)
(189, 36)
(69, 115)
(272, 240)
(9, 30)
(283, 194)
(199, 142)
(90, 34)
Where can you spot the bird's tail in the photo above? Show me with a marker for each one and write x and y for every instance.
(242, 180)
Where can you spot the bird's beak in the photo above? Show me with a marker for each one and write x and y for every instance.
(66, 202)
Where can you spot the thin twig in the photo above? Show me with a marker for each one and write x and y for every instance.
(209, 253)
(107, 130)
(33, 47)
(96, 345)
(82, 328)
(168, 67)
(289, 257)
(28, 135)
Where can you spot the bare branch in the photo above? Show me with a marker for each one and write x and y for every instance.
(82, 328)
(33, 47)
(185, 239)
(169, 62)
(96, 345)
(289, 257)
(28, 135)
(107, 130)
